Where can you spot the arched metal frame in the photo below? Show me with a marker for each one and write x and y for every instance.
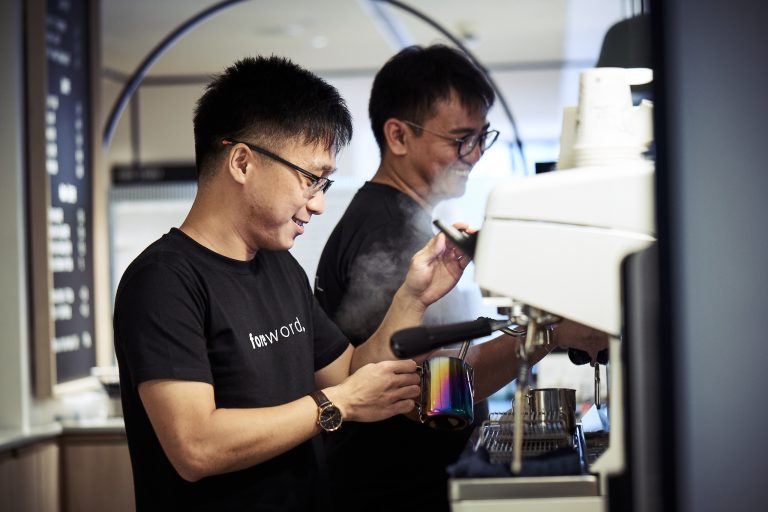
(137, 77)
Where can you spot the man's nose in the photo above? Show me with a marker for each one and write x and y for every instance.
(316, 204)
(473, 156)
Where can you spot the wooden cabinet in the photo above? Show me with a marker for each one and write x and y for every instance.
(83, 469)
(29, 478)
(96, 472)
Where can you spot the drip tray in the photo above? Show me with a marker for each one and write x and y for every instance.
(463, 489)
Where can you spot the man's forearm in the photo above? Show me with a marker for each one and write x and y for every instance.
(201, 440)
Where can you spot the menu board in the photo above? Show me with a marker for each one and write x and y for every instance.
(68, 166)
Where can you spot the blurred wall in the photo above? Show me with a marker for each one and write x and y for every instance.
(14, 338)
(713, 186)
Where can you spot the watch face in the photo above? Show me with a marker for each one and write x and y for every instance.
(330, 418)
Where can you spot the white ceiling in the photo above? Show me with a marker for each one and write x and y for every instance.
(347, 35)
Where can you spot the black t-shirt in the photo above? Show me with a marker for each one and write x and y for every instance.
(396, 464)
(253, 330)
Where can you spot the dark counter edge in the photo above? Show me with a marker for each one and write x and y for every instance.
(14, 439)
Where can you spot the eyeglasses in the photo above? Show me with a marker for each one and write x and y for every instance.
(317, 183)
(465, 145)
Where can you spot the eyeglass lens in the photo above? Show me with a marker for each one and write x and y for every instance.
(321, 185)
(484, 140)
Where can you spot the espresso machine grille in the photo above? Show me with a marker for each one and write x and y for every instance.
(539, 436)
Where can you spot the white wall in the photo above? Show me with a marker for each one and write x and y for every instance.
(14, 314)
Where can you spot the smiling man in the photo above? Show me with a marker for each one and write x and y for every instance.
(228, 367)
(428, 111)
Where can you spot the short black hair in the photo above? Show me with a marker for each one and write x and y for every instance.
(267, 100)
(410, 84)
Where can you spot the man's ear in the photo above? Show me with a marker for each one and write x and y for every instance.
(238, 164)
(395, 133)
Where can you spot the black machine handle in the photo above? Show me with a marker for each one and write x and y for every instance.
(465, 241)
(418, 340)
(579, 357)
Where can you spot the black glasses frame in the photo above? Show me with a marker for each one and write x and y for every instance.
(319, 183)
(469, 143)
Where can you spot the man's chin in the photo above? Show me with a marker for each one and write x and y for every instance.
(453, 184)
(283, 244)
(454, 190)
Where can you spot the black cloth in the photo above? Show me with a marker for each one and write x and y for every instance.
(396, 464)
(253, 330)
(477, 464)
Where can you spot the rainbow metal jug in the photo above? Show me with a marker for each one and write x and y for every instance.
(447, 393)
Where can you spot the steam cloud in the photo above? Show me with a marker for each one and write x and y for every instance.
(377, 274)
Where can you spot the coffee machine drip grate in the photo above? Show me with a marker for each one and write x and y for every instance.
(539, 437)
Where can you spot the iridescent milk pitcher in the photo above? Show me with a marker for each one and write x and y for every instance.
(447, 392)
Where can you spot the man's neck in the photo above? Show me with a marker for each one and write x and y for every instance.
(214, 232)
(389, 175)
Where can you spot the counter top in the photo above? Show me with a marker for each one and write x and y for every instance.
(10, 439)
(99, 426)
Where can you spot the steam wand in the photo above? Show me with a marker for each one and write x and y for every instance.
(524, 349)
(537, 332)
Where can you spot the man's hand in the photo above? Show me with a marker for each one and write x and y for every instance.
(435, 270)
(377, 391)
(569, 334)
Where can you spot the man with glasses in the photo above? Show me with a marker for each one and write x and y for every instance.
(228, 367)
(428, 110)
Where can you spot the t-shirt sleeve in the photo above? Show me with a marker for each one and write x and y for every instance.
(159, 325)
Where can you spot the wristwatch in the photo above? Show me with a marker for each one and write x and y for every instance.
(328, 415)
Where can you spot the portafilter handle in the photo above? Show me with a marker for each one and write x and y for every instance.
(419, 340)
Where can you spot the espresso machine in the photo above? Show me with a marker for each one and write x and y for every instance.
(576, 244)
(555, 246)
(578, 226)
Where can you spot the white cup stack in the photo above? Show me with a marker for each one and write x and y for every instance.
(608, 130)
(567, 136)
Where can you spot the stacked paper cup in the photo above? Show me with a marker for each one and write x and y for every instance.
(606, 130)
(567, 136)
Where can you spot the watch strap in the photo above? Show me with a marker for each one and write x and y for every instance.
(319, 398)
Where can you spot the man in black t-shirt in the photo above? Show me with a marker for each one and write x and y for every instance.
(228, 367)
(428, 110)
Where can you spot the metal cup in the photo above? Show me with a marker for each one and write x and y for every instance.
(548, 405)
(447, 393)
